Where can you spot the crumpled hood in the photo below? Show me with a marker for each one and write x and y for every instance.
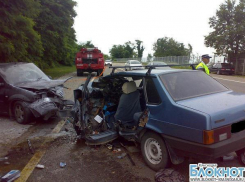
(223, 108)
(41, 84)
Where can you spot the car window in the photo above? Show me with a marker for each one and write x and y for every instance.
(225, 65)
(135, 62)
(188, 84)
(151, 92)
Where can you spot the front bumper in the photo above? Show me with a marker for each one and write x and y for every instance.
(196, 150)
(47, 107)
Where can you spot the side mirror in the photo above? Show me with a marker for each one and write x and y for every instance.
(1, 84)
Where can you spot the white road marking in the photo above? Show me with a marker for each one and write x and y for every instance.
(228, 80)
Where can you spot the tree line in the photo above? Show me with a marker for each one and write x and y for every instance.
(38, 31)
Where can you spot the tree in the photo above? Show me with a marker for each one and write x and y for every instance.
(18, 40)
(123, 51)
(87, 44)
(54, 24)
(228, 25)
(169, 47)
(149, 57)
(106, 57)
(140, 48)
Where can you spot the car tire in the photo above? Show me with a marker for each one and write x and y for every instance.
(241, 156)
(22, 114)
(79, 73)
(154, 151)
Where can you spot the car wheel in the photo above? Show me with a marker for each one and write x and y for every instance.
(154, 151)
(21, 113)
(79, 73)
(241, 156)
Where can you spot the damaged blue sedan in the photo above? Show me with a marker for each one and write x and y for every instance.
(27, 93)
(172, 114)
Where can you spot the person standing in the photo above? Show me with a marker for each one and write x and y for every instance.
(203, 65)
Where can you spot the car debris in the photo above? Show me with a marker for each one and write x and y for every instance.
(28, 93)
(30, 146)
(40, 166)
(11, 176)
(3, 159)
(109, 146)
(62, 164)
(166, 175)
(121, 156)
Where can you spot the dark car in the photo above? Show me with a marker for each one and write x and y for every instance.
(172, 113)
(222, 68)
(26, 92)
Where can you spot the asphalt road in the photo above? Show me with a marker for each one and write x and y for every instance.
(83, 163)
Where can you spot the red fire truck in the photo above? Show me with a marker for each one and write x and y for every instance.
(89, 60)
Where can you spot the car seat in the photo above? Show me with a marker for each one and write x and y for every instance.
(129, 104)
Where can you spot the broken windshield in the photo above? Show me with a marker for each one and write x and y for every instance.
(19, 73)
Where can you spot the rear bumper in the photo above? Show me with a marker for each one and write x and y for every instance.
(90, 67)
(196, 150)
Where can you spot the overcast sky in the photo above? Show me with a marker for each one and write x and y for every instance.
(112, 22)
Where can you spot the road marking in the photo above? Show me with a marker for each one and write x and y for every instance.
(228, 80)
(28, 169)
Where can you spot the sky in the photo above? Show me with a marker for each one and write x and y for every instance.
(112, 22)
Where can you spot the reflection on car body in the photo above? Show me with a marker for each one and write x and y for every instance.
(26, 92)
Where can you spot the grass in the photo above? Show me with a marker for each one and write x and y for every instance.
(59, 71)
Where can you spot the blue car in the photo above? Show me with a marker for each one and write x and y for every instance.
(172, 114)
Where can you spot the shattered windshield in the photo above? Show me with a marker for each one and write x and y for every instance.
(19, 73)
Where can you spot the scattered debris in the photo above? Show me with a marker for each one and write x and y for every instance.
(129, 157)
(168, 175)
(228, 157)
(121, 156)
(109, 146)
(116, 150)
(62, 164)
(30, 147)
(40, 166)
(11, 176)
(3, 159)
(6, 163)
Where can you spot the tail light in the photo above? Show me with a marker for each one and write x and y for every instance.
(79, 60)
(216, 135)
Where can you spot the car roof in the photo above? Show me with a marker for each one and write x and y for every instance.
(12, 63)
(142, 73)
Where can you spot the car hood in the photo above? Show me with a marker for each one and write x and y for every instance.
(223, 108)
(41, 84)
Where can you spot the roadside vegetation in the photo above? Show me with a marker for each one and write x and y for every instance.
(59, 71)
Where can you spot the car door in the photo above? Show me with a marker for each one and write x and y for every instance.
(152, 98)
(2, 95)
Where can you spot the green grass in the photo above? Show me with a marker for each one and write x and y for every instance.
(59, 71)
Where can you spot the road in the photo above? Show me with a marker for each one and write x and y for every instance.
(83, 163)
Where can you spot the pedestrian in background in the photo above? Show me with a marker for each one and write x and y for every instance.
(203, 65)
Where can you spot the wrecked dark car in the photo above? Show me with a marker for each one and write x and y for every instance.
(27, 93)
(172, 113)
